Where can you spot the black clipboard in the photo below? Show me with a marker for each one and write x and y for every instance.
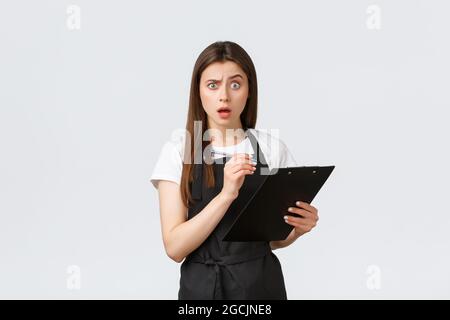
(261, 219)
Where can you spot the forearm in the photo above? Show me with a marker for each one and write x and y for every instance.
(189, 235)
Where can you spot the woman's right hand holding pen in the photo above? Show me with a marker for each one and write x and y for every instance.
(234, 172)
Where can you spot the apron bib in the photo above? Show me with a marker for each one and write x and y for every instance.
(226, 269)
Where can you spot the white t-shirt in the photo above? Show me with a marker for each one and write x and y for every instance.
(170, 162)
(245, 146)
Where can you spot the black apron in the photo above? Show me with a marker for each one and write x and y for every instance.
(224, 269)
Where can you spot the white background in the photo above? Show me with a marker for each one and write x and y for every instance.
(85, 112)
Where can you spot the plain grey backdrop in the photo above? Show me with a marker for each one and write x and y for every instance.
(91, 90)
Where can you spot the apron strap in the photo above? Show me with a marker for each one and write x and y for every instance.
(215, 289)
(197, 182)
(256, 253)
(256, 148)
(198, 168)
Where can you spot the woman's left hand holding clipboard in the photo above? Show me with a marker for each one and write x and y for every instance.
(307, 220)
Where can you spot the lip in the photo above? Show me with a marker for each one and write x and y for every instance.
(224, 108)
(224, 112)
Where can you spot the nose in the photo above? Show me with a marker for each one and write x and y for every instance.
(223, 97)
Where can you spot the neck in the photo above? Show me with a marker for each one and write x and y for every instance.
(222, 136)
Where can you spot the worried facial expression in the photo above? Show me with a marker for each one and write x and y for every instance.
(224, 92)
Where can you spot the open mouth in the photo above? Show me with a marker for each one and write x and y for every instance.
(224, 110)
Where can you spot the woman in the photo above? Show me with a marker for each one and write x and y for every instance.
(202, 191)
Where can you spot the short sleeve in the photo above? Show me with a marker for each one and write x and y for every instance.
(168, 166)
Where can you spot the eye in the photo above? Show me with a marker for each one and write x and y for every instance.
(212, 83)
(237, 85)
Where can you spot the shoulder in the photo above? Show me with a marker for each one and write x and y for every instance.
(173, 149)
(169, 164)
(275, 150)
(176, 143)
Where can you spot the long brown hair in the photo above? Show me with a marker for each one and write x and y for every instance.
(219, 51)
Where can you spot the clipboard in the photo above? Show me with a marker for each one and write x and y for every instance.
(261, 219)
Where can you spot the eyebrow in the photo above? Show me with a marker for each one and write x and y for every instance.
(236, 75)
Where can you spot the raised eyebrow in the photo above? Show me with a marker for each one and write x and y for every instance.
(232, 77)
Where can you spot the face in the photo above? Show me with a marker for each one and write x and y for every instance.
(224, 93)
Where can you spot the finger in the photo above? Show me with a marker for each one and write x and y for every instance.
(300, 225)
(241, 173)
(240, 163)
(250, 158)
(243, 167)
(242, 160)
(304, 213)
(306, 206)
(240, 155)
(245, 161)
(237, 157)
(299, 220)
(302, 230)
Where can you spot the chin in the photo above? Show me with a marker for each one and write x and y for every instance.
(220, 120)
